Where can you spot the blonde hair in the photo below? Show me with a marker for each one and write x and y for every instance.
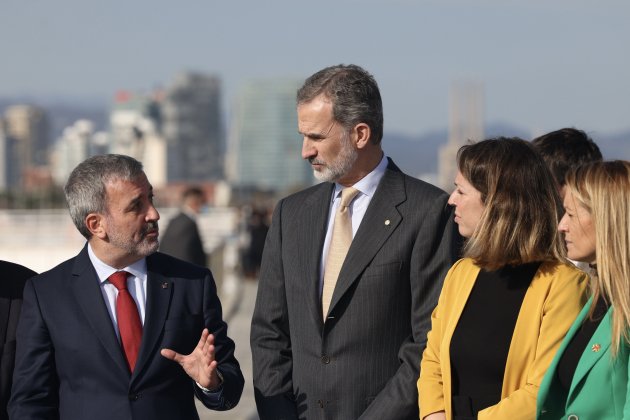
(522, 207)
(603, 189)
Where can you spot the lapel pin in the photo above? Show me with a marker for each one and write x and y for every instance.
(596, 347)
(387, 222)
(165, 285)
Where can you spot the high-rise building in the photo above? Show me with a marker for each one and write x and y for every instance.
(28, 125)
(191, 124)
(465, 123)
(264, 146)
(9, 163)
(135, 122)
(73, 147)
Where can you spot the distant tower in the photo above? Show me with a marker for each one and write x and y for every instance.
(191, 124)
(465, 123)
(28, 126)
(264, 145)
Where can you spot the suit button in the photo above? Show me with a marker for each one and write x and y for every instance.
(325, 359)
(134, 397)
(321, 403)
(573, 417)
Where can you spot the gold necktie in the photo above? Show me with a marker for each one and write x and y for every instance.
(339, 245)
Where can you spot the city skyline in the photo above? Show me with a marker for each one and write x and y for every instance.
(542, 66)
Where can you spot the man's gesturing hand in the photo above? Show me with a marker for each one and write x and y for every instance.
(200, 364)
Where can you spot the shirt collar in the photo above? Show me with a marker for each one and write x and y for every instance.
(103, 271)
(368, 184)
(189, 212)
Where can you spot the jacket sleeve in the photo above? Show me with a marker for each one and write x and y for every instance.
(436, 248)
(626, 407)
(34, 394)
(562, 305)
(430, 383)
(270, 339)
(233, 380)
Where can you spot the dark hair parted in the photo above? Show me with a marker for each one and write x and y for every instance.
(193, 191)
(521, 204)
(354, 95)
(565, 149)
(86, 187)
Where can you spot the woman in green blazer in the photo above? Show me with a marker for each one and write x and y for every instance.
(588, 378)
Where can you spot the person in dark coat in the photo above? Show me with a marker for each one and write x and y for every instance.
(14, 277)
(181, 238)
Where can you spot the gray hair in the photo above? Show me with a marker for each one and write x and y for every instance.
(354, 95)
(86, 187)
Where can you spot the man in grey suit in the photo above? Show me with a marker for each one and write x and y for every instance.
(358, 355)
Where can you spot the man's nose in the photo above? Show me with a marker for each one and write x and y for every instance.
(308, 150)
(153, 214)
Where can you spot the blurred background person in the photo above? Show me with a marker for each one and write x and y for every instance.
(14, 277)
(588, 378)
(506, 306)
(257, 227)
(181, 239)
(565, 149)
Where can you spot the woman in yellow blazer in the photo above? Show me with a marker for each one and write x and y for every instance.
(588, 378)
(506, 306)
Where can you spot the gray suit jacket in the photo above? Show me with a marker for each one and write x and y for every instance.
(364, 361)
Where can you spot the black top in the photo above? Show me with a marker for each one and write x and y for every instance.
(569, 360)
(481, 340)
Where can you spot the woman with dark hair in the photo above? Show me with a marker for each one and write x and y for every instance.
(588, 378)
(505, 306)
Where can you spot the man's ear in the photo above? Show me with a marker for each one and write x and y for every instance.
(95, 222)
(362, 134)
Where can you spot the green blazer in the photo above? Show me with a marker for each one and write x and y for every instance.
(599, 389)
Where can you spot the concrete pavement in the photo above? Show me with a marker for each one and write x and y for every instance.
(238, 307)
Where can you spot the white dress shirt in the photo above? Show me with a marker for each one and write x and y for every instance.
(136, 283)
(367, 187)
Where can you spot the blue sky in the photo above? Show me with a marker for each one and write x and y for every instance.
(543, 64)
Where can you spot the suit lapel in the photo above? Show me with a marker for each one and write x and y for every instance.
(591, 355)
(89, 297)
(159, 291)
(313, 224)
(380, 221)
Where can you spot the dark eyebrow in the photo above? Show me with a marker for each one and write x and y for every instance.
(134, 202)
(313, 135)
(319, 135)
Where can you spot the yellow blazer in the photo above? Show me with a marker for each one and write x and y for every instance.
(552, 301)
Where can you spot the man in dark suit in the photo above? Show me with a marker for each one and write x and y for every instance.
(348, 346)
(13, 278)
(121, 331)
(181, 238)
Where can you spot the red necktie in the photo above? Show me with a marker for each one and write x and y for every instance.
(128, 318)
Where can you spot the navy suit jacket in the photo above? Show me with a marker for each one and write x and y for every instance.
(70, 364)
(12, 282)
